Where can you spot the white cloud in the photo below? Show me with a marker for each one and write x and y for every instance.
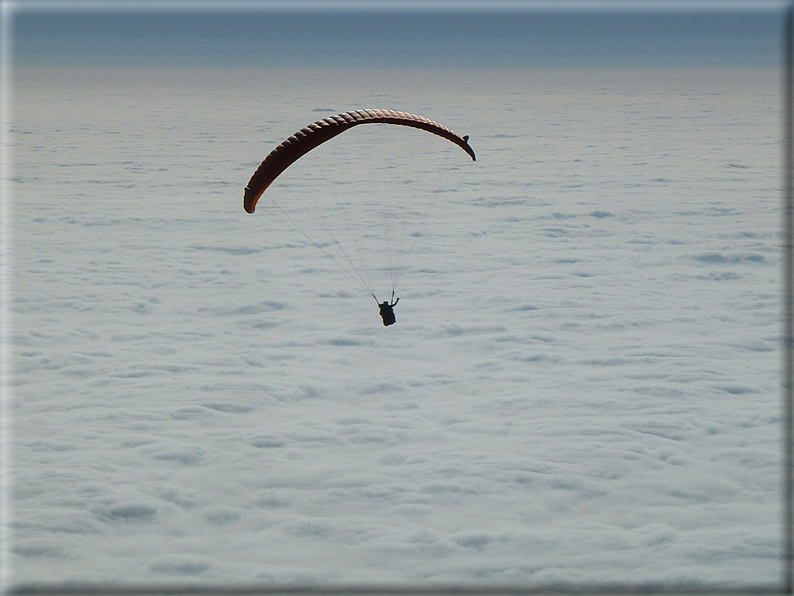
(567, 396)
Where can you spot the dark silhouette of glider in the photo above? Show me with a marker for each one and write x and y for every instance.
(387, 310)
(319, 132)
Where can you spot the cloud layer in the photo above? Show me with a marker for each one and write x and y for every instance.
(582, 385)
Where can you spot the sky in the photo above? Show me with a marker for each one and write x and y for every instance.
(523, 36)
(582, 386)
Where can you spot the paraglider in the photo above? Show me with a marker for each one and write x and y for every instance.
(321, 131)
(387, 310)
(317, 133)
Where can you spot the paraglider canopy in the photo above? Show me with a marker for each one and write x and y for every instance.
(319, 132)
(347, 196)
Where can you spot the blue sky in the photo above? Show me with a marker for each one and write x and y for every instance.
(744, 35)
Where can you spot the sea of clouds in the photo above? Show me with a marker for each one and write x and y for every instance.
(582, 385)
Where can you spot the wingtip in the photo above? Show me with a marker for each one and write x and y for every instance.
(468, 148)
(249, 202)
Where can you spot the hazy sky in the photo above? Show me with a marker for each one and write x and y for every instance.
(711, 36)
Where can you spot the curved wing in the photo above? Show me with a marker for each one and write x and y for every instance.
(319, 132)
